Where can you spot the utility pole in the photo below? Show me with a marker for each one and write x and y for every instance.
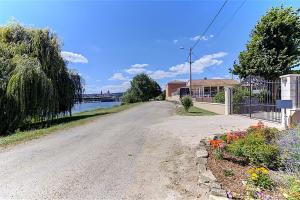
(190, 52)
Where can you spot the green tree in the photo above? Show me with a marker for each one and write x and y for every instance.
(273, 49)
(35, 83)
(142, 88)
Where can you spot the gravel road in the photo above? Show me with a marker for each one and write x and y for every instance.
(107, 158)
(145, 152)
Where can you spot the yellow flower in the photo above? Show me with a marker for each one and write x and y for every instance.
(251, 171)
(265, 171)
(254, 176)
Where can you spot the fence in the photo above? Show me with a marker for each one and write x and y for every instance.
(256, 98)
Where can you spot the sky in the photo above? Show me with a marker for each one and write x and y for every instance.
(108, 42)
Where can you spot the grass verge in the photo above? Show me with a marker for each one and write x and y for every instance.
(61, 123)
(193, 111)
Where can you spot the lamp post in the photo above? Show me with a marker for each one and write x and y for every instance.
(190, 62)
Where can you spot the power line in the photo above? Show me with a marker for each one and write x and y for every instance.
(211, 23)
(231, 18)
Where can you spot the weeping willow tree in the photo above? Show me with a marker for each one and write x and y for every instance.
(35, 83)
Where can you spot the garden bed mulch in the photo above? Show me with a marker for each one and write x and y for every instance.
(234, 183)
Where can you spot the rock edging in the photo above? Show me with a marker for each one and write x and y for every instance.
(206, 177)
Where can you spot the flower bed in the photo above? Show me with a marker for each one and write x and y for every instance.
(247, 163)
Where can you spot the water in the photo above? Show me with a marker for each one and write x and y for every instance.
(93, 105)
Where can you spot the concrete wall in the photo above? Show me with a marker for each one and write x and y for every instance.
(213, 107)
(173, 98)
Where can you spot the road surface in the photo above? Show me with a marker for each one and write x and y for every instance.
(112, 157)
(145, 152)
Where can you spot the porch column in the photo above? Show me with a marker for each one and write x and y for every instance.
(290, 91)
(228, 100)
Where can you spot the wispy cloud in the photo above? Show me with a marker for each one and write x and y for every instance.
(198, 66)
(199, 37)
(175, 41)
(73, 57)
(116, 88)
(118, 77)
(136, 68)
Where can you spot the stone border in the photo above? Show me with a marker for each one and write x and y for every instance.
(206, 177)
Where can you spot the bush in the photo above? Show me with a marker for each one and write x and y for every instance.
(219, 97)
(186, 102)
(289, 146)
(162, 96)
(259, 177)
(292, 192)
(270, 134)
(255, 149)
(129, 97)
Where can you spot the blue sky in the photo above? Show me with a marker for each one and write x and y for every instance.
(108, 42)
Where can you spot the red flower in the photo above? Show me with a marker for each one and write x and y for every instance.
(216, 143)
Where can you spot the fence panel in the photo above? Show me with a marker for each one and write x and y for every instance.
(256, 98)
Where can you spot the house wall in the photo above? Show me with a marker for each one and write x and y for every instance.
(172, 87)
(213, 107)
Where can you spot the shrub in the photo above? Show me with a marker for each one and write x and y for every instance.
(255, 149)
(162, 96)
(292, 191)
(130, 97)
(216, 143)
(289, 146)
(186, 102)
(270, 134)
(259, 177)
(233, 136)
(223, 137)
(219, 97)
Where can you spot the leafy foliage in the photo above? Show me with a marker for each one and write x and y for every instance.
(143, 88)
(219, 97)
(292, 191)
(273, 49)
(259, 177)
(162, 96)
(186, 102)
(254, 148)
(35, 84)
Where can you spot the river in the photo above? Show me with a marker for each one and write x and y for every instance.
(93, 105)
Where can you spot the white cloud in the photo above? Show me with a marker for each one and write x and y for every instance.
(118, 77)
(175, 41)
(116, 88)
(73, 57)
(139, 65)
(136, 68)
(200, 64)
(160, 74)
(199, 37)
(197, 67)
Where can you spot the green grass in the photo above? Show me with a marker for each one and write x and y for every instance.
(193, 111)
(59, 124)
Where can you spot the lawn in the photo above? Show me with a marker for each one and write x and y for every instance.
(193, 111)
(40, 129)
